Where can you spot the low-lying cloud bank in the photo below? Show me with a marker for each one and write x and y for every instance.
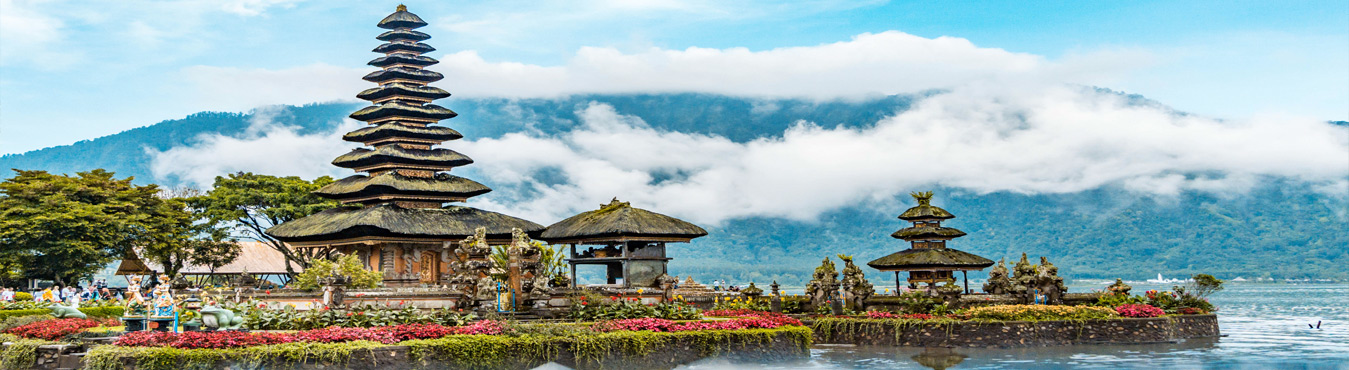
(869, 64)
(1053, 139)
(1004, 121)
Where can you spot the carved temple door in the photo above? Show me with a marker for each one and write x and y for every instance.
(430, 268)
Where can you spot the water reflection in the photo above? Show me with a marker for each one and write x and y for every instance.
(938, 358)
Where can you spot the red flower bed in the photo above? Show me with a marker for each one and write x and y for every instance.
(58, 328)
(881, 315)
(233, 339)
(1138, 310)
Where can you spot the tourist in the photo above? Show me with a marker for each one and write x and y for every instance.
(46, 295)
(7, 295)
(105, 294)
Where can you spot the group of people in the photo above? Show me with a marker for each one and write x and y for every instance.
(69, 295)
(717, 286)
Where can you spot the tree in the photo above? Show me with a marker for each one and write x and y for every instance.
(349, 265)
(66, 228)
(182, 236)
(249, 204)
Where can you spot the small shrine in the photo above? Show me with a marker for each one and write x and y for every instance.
(628, 241)
(394, 216)
(928, 260)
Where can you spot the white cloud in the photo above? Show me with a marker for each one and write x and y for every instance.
(869, 64)
(265, 148)
(29, 35)
(253, 7)
(1055, 140)
(228, 88)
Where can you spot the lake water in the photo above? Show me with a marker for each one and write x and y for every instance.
(1265, 327)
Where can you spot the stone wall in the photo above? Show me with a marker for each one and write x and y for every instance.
(1015, 333)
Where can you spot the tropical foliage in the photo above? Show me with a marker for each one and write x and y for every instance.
(259, 316)
(249, 204)
(1039, 313)
(594, 308)
(349, 266)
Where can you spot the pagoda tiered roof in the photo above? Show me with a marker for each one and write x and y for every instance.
(401, 18)
(620, 221)
(394, 154)
(928, 251)
(403, 34)
(394, 131)
(919, 232)
(392, 221)
(403, 197)
(403, 73)
(402, 58)
(936, 259)
(394, 109)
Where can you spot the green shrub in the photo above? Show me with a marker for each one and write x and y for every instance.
(17, 313)
(1022, 312)
(23, 296)
(1112, 300)
(104, 311)
(349, 266)
(586, 308)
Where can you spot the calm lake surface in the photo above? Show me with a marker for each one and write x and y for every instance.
(1265, 327)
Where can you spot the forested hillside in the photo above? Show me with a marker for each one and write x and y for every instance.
(1281, 229)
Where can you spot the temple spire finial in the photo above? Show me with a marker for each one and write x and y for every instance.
(402, 8)
(923, 197)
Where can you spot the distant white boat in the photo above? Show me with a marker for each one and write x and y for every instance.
(1238, 278)
(1162, 280)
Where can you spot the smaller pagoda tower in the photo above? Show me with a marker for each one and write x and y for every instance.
(928, 260)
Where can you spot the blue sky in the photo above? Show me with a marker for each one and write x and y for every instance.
(74, 70)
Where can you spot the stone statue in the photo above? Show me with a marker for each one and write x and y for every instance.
(666, 284)
(774, 287)
(1119, 287)
(751, 291)
(334, 289)
(1023, 278)
(856, 288)
(61, 312)
(998, 281)
(214, 317)
(950, 294)
(1049, 283)
(164, 306)
(824, 284)
(487, 289)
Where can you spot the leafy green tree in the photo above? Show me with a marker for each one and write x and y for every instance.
(349, 265)
(66, 228)
(249, 204)
(182, 236)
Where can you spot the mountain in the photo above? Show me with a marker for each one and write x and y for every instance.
(1282, 228)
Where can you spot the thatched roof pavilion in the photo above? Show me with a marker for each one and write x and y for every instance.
(631, 241)
(928, 260)
(255, 258)
(395, 216)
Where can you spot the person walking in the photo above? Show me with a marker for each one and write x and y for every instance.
(7, 295)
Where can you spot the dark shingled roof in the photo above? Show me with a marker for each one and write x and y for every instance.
(403, 73)
(405, 58)
(393, 129)
(388, 220)
(403, 34)
(620, 219)
(401, 18)
(403, 89)
(390, 47)
(927, 232)
(924, 210)
(929, 258)
(361, 157)
(443, 184)
(399, 108)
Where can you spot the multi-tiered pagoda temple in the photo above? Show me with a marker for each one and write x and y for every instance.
(394, 216)
(928, 260)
